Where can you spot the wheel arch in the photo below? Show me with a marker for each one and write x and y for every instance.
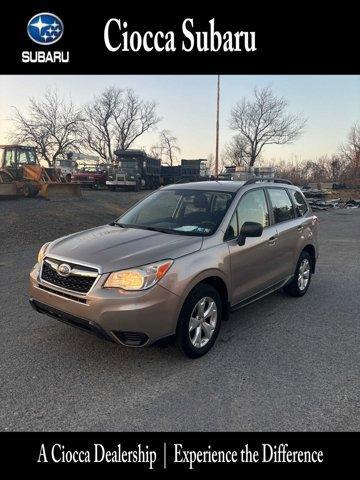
(216, 281)
(310, 249)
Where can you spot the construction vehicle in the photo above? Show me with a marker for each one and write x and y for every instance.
(90, 171)
(93, 177)
(187, 171)
(22, 175)
(67, 167)
(134, 169)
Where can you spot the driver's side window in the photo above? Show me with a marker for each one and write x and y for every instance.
(251, 208)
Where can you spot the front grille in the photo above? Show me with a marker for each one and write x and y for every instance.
(77, 283)
(62, 294)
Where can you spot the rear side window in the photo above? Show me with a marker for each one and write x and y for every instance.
(281, 204)
(299, 201)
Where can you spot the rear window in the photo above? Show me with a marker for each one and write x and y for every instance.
(299, 201)
(281, 204)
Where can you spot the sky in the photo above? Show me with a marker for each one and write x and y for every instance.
(187, 105)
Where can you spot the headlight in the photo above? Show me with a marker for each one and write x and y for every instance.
(139, 278)
(42, 252)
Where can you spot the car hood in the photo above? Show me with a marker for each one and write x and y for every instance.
(115, 248)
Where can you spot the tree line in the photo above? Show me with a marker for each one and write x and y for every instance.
(114, 119)
(117, 118)
(342, 167)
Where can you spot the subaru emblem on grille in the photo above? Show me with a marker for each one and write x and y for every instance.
(64, 270)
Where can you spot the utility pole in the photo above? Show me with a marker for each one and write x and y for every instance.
(217, 129)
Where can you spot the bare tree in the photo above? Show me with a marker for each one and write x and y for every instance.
(264, 121)
(169, 146)
(236, 151)
(115, 120)
(210, 163)
(351, 149)
(156, 151)
(350, 152)
(51, 124)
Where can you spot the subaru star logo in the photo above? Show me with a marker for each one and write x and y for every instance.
(64, 270)
(45, 28)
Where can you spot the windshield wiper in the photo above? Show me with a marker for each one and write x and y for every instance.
(155, 229)
(143, 227)
(122, 225)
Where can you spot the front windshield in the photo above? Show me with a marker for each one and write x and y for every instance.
(179, 211)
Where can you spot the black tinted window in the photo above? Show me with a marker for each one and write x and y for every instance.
(281, 204)
(299, 202)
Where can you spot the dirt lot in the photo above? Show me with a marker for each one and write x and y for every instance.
(32, 220)
(280, 363)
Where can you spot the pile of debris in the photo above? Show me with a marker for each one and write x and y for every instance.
(352, 203)
(319, 199)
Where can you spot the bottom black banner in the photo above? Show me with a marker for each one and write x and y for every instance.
(168, 452)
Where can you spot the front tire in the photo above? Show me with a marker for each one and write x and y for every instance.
(199, 321)
(302, 277)
(29, 190)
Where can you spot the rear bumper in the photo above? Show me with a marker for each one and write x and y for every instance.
(130, 318)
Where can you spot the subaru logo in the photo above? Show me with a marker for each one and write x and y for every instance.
(45, 28)
(64, 270)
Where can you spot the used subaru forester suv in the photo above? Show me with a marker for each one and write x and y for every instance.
(179, 261)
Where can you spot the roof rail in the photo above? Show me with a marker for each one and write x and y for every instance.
(267, 179)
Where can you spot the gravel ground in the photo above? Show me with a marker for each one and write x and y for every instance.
(279, 364)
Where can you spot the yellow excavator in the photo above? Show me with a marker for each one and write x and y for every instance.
(22, 175)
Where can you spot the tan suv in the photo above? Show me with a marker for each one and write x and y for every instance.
(179, 261)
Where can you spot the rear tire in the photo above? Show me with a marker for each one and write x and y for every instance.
(199, 321)
(302, 277)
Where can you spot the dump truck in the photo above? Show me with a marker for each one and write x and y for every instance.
(188, 171)
(22, 175)
(134, 169)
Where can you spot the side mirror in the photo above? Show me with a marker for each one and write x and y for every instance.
(249, 229)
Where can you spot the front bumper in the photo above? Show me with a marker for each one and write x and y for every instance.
(130, 318)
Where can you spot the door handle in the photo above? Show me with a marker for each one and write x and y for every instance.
(272, 240)
(300, 228)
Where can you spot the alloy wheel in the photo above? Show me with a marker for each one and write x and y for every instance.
(203, 321)
(304, 274)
